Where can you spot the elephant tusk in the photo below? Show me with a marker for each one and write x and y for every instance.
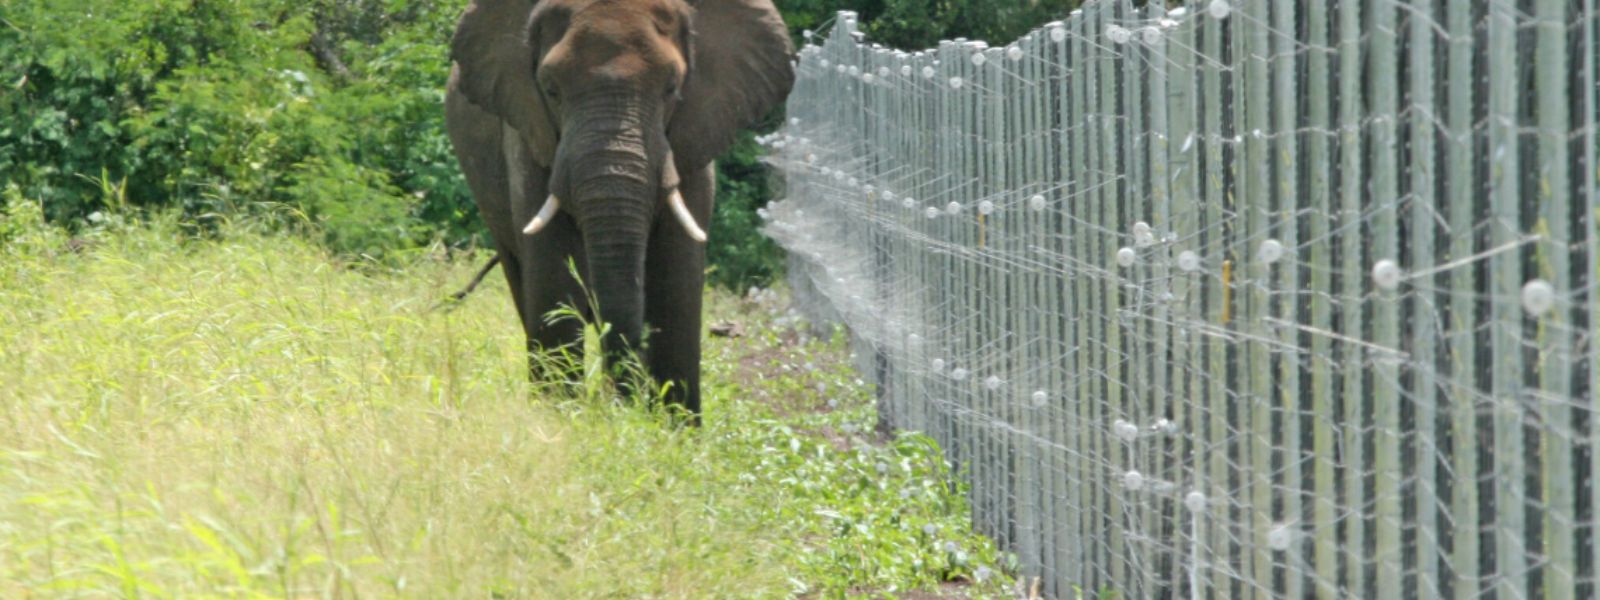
(684, 218)
(546, 213)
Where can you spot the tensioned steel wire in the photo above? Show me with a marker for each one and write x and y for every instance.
(1268, 298)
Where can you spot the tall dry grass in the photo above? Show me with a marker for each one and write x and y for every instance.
(248, 417)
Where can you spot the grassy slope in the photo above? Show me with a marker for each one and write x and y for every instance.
(248, 418)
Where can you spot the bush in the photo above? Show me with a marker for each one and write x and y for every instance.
(215, 108)
(739, 254)
(327, 111)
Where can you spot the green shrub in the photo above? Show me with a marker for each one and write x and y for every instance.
(215, 108)
(739, 254)
(330, 109)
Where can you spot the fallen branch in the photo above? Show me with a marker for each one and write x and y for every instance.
(323, 50)
(457, 297)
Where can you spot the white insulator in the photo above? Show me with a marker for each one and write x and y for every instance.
(953, 208)
(985, 207)
(933, 213)
(992, 382)
(1271, 251)
(955, 82)
(905, 71)
(1057, 34)
(1126, 257)
(1039, 398)
(1142, 235)
(1189, 261)
(979, 59)
(1538, 297)
(958, 374)
(1118, 34)
(823, 63)
(1133, 480)
(1151, 35)
(1219, 9)
(1124, 430)
(1386, 274)
(867, 78)
(1195, 501)
(855, 71)
(883, 71)
(1036, 202)
(909, 202)
(841, 69)
(1014, 53)
(938, 365)
(927, 72)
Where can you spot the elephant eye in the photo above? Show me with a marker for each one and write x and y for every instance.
(549, 90)
(672, 90)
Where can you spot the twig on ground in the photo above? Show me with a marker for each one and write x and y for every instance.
(457, 297)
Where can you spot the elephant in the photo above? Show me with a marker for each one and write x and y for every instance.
(586, 130)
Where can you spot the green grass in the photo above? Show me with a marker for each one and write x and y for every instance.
(247, 417)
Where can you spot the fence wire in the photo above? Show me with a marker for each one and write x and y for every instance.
(1276, 298)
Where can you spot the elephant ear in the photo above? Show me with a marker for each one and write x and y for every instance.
(496, 58)
(740, 70)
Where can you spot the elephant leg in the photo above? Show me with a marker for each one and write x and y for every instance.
(674, 290)
(547, 285)
(538, 335)
(501, 187)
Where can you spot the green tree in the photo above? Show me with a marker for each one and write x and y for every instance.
(325, 113)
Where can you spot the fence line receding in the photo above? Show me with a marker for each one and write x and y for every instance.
(1275, 298)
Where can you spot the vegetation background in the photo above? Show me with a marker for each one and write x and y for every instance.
(323, 117)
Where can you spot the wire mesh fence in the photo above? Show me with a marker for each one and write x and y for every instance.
(1277, 298)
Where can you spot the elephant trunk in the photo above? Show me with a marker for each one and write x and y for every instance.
(612, 179)
(615, 243)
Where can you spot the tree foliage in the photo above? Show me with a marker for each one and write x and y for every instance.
(325, 115)
(218, 107)
(919, 24)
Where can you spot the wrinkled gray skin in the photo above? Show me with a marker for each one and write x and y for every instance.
(609, 105)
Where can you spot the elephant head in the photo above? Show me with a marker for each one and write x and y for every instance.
(613, 99)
